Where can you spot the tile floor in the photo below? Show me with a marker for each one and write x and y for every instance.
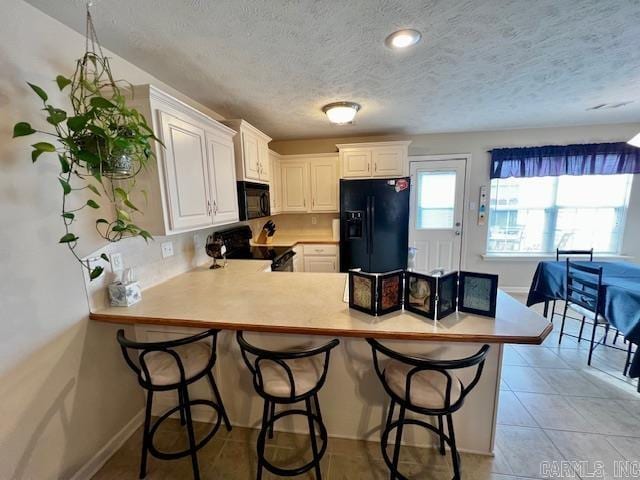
(552, 408)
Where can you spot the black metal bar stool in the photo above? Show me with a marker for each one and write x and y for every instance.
(425, 386)
(174, 365)
(285, 378)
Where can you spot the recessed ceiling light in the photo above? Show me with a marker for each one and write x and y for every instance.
(403, 39)
(341, 113)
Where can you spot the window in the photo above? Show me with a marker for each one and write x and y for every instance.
(436, 199)
(540, 214)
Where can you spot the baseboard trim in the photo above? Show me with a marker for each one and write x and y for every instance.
(89, 469)
(516, 290)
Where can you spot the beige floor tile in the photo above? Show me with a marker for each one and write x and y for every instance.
(482, 467)
(554, 411)
(510, 356)
(355, 448)
(294, 457)
(357, 468)
(525, 449)
(629, 448)
(607, 417)
(571, 382)
(525, 379)
(540, 357)
(236, 461)
(593, 454)
(512, 412)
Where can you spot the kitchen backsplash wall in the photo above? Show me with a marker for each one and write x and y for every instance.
(291, 224)
(150, 269)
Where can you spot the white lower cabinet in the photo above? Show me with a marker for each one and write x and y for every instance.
(320, 258)
(191, 184)
(320, 264)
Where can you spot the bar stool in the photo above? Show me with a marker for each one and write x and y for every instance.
(286, 378)
(425, 386)
(174, 365)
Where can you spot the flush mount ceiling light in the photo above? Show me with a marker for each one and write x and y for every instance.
(403, 39)
(341, 113)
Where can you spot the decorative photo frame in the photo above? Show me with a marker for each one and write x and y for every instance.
(478, 293)
(420, 294)
(362, 292)
(390, 292)
(447, 301)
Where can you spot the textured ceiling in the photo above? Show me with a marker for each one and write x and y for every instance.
(482, 64)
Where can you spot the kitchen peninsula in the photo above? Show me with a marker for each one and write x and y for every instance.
(289, 308)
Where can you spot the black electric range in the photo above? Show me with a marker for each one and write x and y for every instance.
(238, 243)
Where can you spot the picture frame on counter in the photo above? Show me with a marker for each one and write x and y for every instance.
(420, 294)
(376, 293)
(478, 293)
(431, 296)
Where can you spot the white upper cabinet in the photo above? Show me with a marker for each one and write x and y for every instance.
(275, 185)
(307, 183)
(222, 179)
(295, 179)
(251, 152)
(375, 159)
(323, 173)
(191, 184)
(187, 176)
(356, 163)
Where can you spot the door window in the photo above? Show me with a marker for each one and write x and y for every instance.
(436, 200)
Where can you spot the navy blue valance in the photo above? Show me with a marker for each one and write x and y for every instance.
(556, 160)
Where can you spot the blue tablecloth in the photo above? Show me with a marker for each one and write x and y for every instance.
(621, 295)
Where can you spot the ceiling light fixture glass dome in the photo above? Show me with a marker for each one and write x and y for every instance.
(341, 113)
(403, 39)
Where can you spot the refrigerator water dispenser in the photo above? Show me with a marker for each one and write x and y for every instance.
(354, 224)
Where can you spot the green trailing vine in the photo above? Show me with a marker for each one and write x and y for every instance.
(101, 145)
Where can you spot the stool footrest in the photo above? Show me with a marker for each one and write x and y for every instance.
(307, 466)
(183, 453)
(411, 421)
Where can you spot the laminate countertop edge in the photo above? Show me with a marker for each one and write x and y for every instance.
(329, 332)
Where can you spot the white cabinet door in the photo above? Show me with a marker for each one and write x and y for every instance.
(356, 163)
(264, 166)
(251, 151)
(388, 162)
(224, 195)
(294, 186)
(324, 185)
(275, 188)
(320, 264)
(187, 176)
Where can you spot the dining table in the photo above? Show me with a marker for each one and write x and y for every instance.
(620, 304)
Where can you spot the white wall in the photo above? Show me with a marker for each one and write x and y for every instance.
(64, 388)
(513, 274)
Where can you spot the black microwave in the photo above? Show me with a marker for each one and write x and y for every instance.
(253, 200)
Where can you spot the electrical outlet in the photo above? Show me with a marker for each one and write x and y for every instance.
(167, 249)
(117, 264)
(314, 220)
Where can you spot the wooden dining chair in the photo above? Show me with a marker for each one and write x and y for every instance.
(568, 254)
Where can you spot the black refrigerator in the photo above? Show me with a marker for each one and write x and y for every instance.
(374, 224)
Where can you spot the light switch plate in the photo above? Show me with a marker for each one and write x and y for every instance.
(117, 264)
(167, 249)
(314, 220)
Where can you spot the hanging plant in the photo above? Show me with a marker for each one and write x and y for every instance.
(101, 145)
